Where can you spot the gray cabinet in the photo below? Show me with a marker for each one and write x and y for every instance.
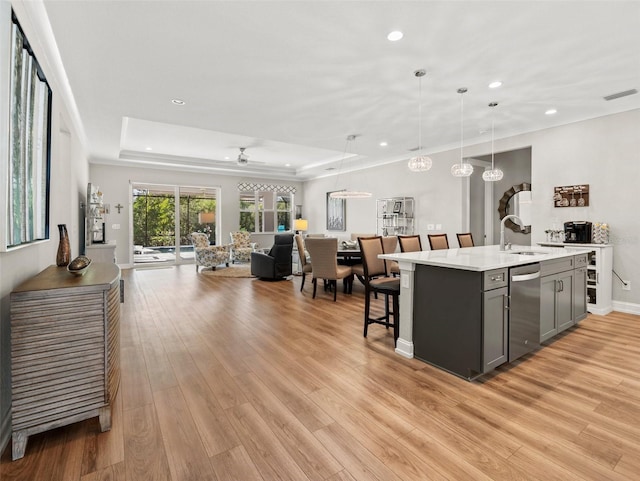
(495, 328)
(65, 350)
(556, 304)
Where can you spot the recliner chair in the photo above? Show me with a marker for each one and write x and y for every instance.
(275, 265)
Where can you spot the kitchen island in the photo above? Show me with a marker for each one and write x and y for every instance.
(467, 311)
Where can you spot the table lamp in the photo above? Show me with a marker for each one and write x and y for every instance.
(301, 225)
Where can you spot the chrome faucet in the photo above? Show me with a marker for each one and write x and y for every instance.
(504, 219)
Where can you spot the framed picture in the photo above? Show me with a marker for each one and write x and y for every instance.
(397, 207)
(336, 213)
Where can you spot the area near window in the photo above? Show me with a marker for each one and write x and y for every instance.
(30, 138)
(266, 208)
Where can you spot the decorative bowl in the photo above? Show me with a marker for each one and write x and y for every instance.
(79, 272)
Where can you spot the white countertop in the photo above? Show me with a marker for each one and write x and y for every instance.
(572, 244)
(484, 258)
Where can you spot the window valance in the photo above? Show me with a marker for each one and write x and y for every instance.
(254, 186)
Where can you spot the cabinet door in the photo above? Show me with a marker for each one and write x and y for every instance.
(548, 287)
(564, 301)
(580, 294)
(495, 329)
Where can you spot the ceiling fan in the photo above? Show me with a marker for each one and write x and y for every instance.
(243, 159)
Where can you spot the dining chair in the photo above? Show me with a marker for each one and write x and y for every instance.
(378, 281)
(410, 243)
(465, 239)
(324, 264)
(389, 245)
(305, 266)
(438, 241)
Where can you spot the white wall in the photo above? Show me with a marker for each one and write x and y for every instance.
(69, 171)
(438, 197)
(602, 152)
(114, 184)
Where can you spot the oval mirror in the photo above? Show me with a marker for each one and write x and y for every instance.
(517, 200)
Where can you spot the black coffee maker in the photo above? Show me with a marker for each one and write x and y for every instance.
(578, 232)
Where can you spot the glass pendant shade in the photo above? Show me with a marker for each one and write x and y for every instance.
(420, 163)
(494, 174)
(463, 169)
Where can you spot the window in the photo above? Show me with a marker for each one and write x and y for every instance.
(266, 210)
(30, 137)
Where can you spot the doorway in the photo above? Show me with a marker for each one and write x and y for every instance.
(163, 218)
(482, 214)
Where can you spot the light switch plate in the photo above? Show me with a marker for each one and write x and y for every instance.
(405, 281)
(429, 226)
(438, 226)
(115, 226)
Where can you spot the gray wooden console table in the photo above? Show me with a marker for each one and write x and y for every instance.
(65, 350)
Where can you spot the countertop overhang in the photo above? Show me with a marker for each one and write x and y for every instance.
(484, 258)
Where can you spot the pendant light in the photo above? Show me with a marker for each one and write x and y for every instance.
(346, 193)
(463, 169)
(494, 174)
(420, 163)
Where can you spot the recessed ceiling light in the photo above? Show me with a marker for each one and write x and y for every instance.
(148, 148)
(226, 158)
(177, 102)
(551, 112)
(383, 144)
(495, 85)
(287, 165)
(395, 36)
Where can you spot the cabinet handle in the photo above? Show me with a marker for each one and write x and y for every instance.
(506, 300)
(561, 285)
(597, 278)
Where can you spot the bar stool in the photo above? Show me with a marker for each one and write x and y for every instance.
(410, 243)
(376, 280)
(465, 239)
(438, 241)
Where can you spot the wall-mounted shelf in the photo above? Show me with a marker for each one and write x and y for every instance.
(395, 216)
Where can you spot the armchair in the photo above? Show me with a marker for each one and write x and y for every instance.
(277, 263)
(241, 246)
(207, 255)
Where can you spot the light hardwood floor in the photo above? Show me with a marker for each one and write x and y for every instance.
(239, 379)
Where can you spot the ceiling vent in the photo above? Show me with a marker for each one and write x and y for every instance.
(621, 94)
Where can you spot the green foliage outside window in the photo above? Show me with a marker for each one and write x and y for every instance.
(154, 218)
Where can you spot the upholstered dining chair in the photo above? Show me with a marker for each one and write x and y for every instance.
(389, 245)
(324, 264)
(465, 239)
(410, 243)
(207, 255)
(305, 267)
(377, 281)
(241, 246)
(438, 241)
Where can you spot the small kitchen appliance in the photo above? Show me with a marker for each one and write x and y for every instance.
(577, 232)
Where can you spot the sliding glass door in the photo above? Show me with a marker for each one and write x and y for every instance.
(163, 218)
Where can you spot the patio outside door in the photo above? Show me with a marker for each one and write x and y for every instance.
(163, 218)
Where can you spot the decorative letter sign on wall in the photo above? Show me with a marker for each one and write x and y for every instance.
(571, 196)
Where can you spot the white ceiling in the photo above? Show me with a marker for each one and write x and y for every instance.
(290, 80)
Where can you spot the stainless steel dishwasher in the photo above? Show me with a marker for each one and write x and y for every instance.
(524, 310)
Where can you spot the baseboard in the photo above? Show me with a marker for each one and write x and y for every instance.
(628, 307)
(404, 348)
(5, 431)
